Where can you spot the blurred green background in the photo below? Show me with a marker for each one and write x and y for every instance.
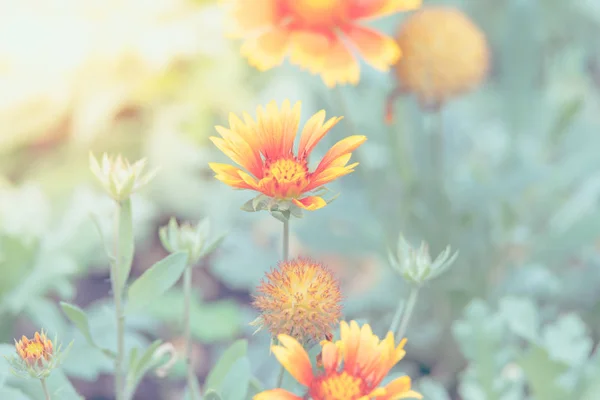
(516, 317)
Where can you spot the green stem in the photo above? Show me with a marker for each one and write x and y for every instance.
(187, 291)
(45, 388)
(117, 288)
(280, 377)
(286, 240)
(410, 306)
(396, 319)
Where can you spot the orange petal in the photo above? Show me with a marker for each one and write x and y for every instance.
(239, 150)
(229, 175)
(308, 49)
(276, 394)
(331, 357)
(379, 50)
(290, 122)
(314, 130)
(294, 359)
(277, 129)
(366, 10)
(310, 203)
(399, 388)
(350, 338)
(342, 147)
(328, 175)
(267, 50)
(340, 66)
(248, 16)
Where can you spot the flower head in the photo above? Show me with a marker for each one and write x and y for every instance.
(444, 54)
(34, 351)
(300, 298)
(318, 35)
(120, 178)
(264, 150)
(189, 238)
(415, 265)
(36, 357)
(352, 367)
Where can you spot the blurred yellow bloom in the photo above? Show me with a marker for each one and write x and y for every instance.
(264, 149)
(318, 35)
(444, 54)
(119, 178)
(35, 351)
(300, 298)
(353, 368)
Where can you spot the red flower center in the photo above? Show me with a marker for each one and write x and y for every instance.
(285, 178)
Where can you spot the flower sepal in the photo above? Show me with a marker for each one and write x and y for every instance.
(281, 209)
(37, 357)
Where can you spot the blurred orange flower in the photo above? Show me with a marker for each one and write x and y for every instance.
(444, 54)
(353, 367)
(34, 350)
(318, 35)
(300, 298)
(264, 149)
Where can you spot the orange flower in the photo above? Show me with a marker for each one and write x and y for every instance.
(264, 149)
(353, 368)
(318, 35)
(34, 350)
(444, 54)
(301, 299)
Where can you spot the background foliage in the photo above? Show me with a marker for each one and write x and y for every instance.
(517, 316)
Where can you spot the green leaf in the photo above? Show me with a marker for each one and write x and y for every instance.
(126, 243)
(155, 281)
(211, 395)
(566, 340)
(236, 382)
(542, 374)
(210, 322)
(78, 317)
(521, 317)
(138, 369)
(217, 375)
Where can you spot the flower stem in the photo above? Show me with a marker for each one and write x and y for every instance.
(396, 319)
(280, 377)
(410, 306)
(286, 239)
(120, 316)
(45, 389)
(187, 292)
(286, 256)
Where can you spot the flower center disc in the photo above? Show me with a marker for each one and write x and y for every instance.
(35, 349)
(317, 12)
(285, 178)
(338, 387)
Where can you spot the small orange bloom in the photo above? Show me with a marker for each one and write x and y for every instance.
(353, 368)
(318, 35)
(301, 299)
(34, 350)
(444, 55)
(264, 149)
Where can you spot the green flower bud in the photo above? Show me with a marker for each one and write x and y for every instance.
(415, 265)
(192, 239)
(119, 178)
